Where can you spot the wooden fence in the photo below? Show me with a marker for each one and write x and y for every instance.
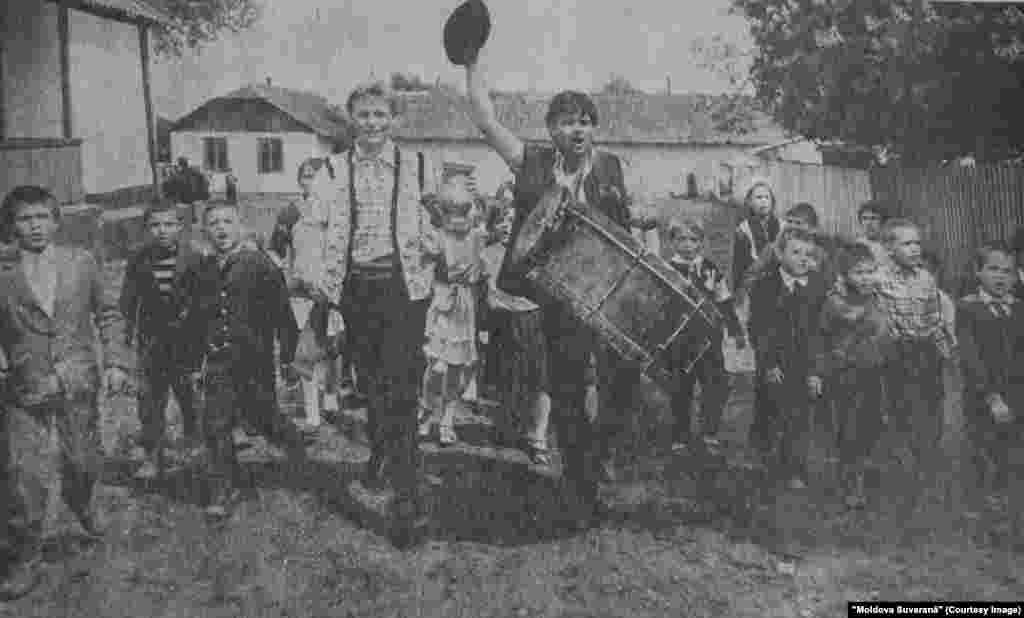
(835, 192)
(959, 208)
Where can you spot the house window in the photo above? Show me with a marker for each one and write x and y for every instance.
(215, 154)
(271, 156)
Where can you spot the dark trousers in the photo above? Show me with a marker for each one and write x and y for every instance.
(34, 465)
(994, 442)
(855, 398)
(914, 386)
(386, 332)
(569, 350)
(159, 375)
(234, 392)
(714, 383)
(782, 422)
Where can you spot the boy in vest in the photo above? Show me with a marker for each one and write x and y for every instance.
(361, 249)
(593, 176)
(152, 304)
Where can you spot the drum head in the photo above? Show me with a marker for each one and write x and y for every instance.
(537, 223)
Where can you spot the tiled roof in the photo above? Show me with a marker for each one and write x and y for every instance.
(308, 108)
(638, 118)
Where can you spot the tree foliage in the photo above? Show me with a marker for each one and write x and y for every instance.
(198, 22)
(926, 81)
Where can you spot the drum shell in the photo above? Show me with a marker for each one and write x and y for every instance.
(635, 301)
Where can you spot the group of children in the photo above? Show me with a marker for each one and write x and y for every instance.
(857, 332)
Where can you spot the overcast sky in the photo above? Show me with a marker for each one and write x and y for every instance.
(544, 45)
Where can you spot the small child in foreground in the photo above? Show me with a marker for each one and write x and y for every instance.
(848, 358)
(687, 238)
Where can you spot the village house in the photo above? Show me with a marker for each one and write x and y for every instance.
(661, 137)
(261, 133)
(75, 107)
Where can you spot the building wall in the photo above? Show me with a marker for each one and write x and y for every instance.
(109, 109)
(651, 171)
(243, 157)
(31, 69)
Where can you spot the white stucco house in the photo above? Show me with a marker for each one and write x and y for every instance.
(260, 133)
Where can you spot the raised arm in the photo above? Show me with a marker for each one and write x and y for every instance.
(504, 142)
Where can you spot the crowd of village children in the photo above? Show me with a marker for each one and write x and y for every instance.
(378, 268)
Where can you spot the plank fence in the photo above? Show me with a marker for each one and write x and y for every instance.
(959, 209)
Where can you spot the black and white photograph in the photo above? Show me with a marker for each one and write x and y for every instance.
(532, 309)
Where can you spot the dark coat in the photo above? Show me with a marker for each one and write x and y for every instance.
(245, 306)
(991, 351)
(782, 324)
(148, 314)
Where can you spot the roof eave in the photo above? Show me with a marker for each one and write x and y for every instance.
(152, 17)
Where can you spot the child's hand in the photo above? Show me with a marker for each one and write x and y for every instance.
(484, 337)
(814, 385)
(773, 376)
(1000, 411)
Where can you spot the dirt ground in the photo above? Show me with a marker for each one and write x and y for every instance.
(685, 537)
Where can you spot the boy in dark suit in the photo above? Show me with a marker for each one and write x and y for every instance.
(52, 303)
(785, 306)
(237, 303)
(990, 325)
(152, 304)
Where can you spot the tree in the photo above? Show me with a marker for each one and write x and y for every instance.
(734, 111)
(618, 85)
(926, 81)
(195, 23)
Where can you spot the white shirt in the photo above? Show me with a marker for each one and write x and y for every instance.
(41, 272)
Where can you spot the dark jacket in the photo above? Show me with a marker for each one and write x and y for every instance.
(991, 350)
(604, 187)
(781, 323)
(150, 316)
(849, 335)
(753, 235)
(243, 307)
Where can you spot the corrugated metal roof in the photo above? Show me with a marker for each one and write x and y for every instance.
(631, 119)
(147, 10)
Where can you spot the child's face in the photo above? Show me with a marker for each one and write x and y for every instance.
(870, 224)
(306, 178)
(572, 133)
(795, 221)
(997, 274)
(761, 201)
(373, 120)
(223, 229)
(457, 222)
(164, 228)
(798, 257)
(687, 244)
(905, 247)
(861, 277)
(34, 226)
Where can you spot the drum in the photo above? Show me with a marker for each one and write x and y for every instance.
(646, 311)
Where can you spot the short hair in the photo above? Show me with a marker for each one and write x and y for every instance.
(804, 211)
(678, 225)
(373, 90)
(21, 196)
(159, 206)
(571, 102)
(219, 204)
(791, 234)
(314, 162)
(878, 207)
(851, 255)
(983, 252)
(1017, 241)
(892, 225)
